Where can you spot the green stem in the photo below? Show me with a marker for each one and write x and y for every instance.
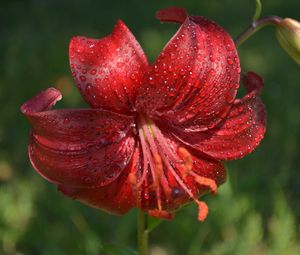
(256, 26)
(142, 233)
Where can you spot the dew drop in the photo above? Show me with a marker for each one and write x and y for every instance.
(177, 192)
(93, 71)
(132, 76)
(82, 78)
(229, 47)
(229, 61)
(88, 88)
(151, 80)
(66, 120)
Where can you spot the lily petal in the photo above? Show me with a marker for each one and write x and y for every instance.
(116, 197)
(194, 81)
(239, 134)
(108, 71)
(78, 147)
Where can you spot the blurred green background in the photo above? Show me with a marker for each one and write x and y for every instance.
(256, 212)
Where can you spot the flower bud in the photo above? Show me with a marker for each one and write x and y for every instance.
(288, 35)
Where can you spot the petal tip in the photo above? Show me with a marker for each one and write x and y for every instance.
(253, 82)
(42, 101)
(172, 14)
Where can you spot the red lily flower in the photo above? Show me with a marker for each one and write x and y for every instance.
(155, 134)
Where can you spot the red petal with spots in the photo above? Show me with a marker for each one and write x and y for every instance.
(116, 197)
(194, 81)
(239, 134)
(108, 71)
(82, 147)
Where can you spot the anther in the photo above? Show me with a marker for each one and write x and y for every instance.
(161, 214)
(210, 183)
(202, 211)
(132, 179)
(187, 160)
(158, 166)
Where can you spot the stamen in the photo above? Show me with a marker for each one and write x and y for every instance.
(202, 207)
(210, 183)
(164, 146)
(146, 132)
(202, 211)
(160, 156)
(187, 159)
(132, 180)
(146, 153)
(158, 166)
(165, 186)
(161, 214)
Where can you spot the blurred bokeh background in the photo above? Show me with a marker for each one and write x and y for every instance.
(256, 212)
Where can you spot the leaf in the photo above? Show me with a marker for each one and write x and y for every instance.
(112, 249)
(258, 8)
(153, 223)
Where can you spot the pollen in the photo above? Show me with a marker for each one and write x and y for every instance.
(132, 179)
(202, 211)
(158, 166)
(161, 214)
(187, 159)
(210, 183)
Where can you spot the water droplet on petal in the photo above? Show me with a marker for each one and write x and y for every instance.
(151, 80)
(66, 120)
(88, 88)
(93, 71)
(132, 76)
(177, 192)
(229, 61)
(82, 78)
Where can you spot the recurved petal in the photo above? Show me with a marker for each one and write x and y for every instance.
(172, 14)
(239, 134)
(116, 197)
(108, 71)
(194, 81)
(78, 147)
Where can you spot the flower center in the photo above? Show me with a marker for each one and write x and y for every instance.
(161, 162)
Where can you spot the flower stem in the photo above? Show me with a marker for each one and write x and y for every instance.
(255, 26)
(142, 233)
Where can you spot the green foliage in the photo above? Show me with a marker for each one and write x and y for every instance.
(256, 212)
(110, 249)
(153, 223)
